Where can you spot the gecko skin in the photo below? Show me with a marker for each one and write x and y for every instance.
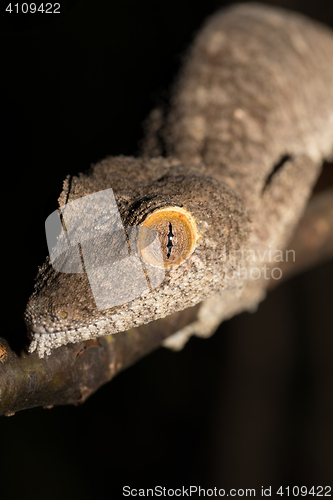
(256, 87)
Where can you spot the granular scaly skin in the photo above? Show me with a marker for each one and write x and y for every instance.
(141, 186)
(256, 87)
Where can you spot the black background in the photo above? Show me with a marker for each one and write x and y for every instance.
(250, 407)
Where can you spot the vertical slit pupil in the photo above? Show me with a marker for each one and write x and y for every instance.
(170, 237)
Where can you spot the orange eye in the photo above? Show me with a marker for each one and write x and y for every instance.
(177, 235)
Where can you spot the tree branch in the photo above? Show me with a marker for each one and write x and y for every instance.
(75, 371)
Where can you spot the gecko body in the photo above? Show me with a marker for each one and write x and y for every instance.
(254, 94)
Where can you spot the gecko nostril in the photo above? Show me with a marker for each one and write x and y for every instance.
(177, 235)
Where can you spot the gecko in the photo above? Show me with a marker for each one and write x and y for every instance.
(227, 169)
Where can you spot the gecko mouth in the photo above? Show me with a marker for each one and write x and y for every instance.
(39, 328)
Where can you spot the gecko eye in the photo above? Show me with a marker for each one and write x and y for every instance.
(63, 314)
(177, 233)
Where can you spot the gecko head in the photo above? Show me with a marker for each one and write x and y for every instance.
(64, 302)
(174, 227)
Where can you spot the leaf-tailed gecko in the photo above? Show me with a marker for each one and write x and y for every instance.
(249, 124)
